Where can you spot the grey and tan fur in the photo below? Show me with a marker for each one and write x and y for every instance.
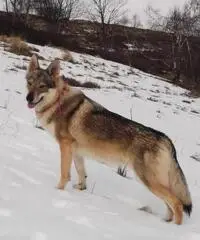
(83, 127)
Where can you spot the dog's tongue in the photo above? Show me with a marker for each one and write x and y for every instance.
(31, 105)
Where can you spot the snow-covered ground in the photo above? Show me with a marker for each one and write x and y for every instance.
(30, 205)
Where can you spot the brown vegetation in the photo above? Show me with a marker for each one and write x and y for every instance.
(16, 45)
(67, 56)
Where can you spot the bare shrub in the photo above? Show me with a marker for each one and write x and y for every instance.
(16, 45)
(122, 171)
(4, 38)
(19, 47)
(90, 85)
(67, 56)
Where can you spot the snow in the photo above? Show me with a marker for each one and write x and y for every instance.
(30, 205)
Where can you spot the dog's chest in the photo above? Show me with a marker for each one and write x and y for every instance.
(45, 123)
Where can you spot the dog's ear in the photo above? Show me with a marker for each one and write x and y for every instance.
(34, 64)
(54, 68)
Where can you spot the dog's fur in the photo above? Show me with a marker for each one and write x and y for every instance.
(84, 127)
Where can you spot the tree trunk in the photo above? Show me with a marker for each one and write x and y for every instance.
(6, 2)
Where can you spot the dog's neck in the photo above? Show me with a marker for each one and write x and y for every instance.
(53, 100)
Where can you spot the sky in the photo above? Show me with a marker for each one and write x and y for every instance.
(138, 6)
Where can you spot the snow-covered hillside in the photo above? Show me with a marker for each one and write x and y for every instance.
(30, 205)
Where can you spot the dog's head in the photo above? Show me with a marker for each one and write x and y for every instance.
(40, 82)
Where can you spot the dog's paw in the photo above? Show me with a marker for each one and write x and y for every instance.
(80, 186)
(60, 186)
(168, 219)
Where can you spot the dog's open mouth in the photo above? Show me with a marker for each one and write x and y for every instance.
(32, 105)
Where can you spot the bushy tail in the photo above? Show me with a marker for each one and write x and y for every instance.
(179, 185)
(187, 209)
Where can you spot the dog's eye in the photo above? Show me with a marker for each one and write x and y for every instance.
(42, 86)
(29, 83)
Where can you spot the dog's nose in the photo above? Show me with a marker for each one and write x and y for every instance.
(30, 97)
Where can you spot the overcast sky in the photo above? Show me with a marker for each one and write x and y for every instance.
(138, 6)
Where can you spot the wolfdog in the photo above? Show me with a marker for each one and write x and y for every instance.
(83, 127)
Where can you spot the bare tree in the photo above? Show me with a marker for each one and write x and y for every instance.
(75, 9)
(16, 6)
(6, 5)
(155, 19)
(19, 8)
(135, 21)
(185, 20)
(107, 12)
(56, 10)
(181, 24)
(28, 5)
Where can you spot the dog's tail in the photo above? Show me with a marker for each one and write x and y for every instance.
(179, 185)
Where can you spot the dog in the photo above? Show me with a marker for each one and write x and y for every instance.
(83, 127)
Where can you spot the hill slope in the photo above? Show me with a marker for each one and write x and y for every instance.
(31, 207)
(154, 52)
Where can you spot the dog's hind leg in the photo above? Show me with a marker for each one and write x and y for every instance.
(169, 215)
(172, 201)
(80, 168)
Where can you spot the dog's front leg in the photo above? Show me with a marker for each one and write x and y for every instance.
(80, 168)
(66, 161)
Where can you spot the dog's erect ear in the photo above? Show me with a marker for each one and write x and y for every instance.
(54, 68)
(34, 64)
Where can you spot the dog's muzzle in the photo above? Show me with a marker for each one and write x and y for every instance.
(30, 100)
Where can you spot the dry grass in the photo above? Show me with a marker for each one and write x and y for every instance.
(16, 45)
(67, 56)
(4, 38)
(122, 171)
